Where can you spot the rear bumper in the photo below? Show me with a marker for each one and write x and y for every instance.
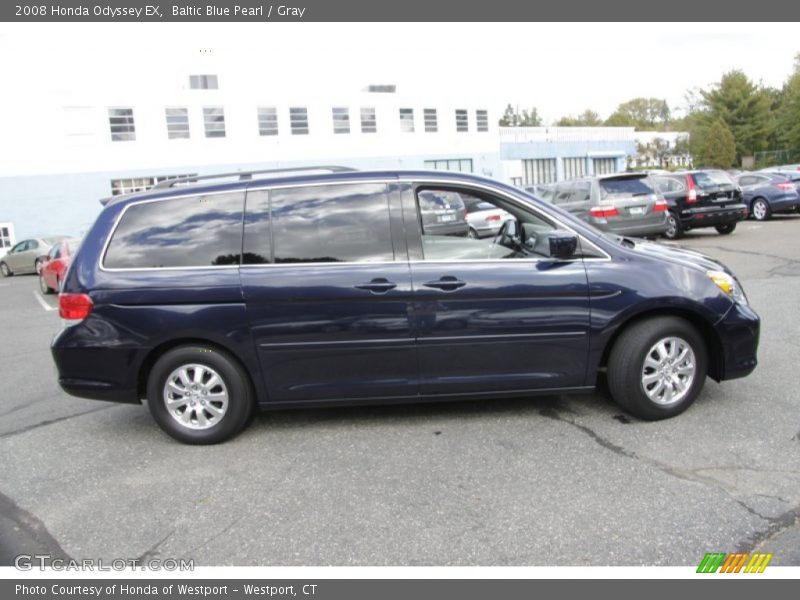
(739, 332)
(712, 216)
(784, 203)
(638, 230)
(96, 373)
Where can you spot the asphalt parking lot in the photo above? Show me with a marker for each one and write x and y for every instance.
(544, 481)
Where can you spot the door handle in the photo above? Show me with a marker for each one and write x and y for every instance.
(379, 285)
(446, 283)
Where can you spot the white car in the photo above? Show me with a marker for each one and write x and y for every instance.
(484, 219)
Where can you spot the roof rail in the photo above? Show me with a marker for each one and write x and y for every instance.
(244, 175)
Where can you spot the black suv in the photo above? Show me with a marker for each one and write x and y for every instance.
(696, 199)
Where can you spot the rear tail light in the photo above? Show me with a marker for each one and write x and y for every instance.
(785, 186)
(692, 195)
(74, 307)
(493, 218)
(603, 212)
(661, 206)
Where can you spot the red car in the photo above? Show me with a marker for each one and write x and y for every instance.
(56, 264)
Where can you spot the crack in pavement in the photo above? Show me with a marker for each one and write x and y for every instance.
(215, 536)
(152, 552)
(754, 253)
(776, 526)
(28, 428)
(693, 475)
(22, 532)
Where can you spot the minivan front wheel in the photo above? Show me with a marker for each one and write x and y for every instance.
(657, 367)
(199, 395)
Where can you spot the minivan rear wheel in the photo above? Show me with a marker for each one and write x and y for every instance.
(199, 395)
(657, 367)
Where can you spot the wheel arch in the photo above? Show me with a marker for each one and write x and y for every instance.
(714, 349)
(157, 352)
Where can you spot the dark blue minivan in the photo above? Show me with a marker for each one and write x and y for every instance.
(213, 297)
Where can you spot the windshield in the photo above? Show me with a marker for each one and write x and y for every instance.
(625, 186)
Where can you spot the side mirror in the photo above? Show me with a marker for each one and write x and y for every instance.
(563, 244)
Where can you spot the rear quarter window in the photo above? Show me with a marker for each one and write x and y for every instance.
(193, 231)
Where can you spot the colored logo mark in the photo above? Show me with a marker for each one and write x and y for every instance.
(743, 562)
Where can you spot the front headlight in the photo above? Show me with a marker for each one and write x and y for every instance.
(728, 284)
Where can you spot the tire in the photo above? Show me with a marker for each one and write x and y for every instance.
(37, 265)
(726, 229)
(635, 359)
(760, 210)
(217, 419)
(674, 228)
(472, 234)
(4, 270)
(43, 287)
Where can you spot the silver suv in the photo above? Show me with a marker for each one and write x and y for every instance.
(624, 203)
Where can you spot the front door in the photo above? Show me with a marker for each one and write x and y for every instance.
(327, 289)
(495, 314)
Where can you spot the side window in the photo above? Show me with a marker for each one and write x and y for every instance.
(55, 252)
(747, 180)
(581, 191)
(194, 231)
(494, 229)
(563, 193)
(330, 223)
(21, 247)
(32, 245)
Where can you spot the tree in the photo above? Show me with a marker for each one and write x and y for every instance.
(720, 146)
(788, 125)
(513, 118)
(744, 108)
(641, 113)
(587, 118)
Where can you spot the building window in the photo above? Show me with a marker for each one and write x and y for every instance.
(369, 122)
(203, 82)
(482, 119)
(341, 119)
(431, 123)
(604, 165)
(141, 184)
(214, 119)
(462, 121)
(407, 120)
(464, 165)
(267, 121)
(121, 122)
(298, 117)
(177, 123)
(539, 171)
(574, 167)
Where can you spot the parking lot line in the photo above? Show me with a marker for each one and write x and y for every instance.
(42, 301)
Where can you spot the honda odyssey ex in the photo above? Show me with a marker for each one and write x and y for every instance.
(213, 297)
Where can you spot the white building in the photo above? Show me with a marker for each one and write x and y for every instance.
(81, 134)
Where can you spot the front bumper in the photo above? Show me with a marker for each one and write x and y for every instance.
(739, 332)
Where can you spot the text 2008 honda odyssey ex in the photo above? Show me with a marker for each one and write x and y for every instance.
(213, 297)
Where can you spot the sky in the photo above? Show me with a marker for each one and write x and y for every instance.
(561, 69)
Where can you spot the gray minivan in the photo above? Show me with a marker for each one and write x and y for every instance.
(623, 203)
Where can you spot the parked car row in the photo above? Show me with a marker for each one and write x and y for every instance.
(649, 204)
(48, 257)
